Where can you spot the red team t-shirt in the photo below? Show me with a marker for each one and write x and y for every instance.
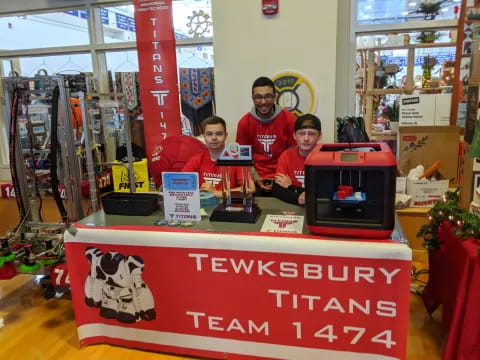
(292, 164)
(268, 140)
(211, 173)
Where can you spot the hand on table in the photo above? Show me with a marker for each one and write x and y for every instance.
(283, 180)
(301, 199)
(265, 184)
(207, 187)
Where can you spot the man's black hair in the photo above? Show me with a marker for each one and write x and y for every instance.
(263, 81)
(308, 121)
(213, 120)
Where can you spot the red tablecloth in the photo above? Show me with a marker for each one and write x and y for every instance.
(454, 282)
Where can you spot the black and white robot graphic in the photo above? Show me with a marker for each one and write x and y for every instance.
(115, 285)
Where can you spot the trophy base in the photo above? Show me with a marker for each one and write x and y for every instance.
(236, 214)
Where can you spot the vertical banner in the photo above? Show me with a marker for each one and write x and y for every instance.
(158, 71)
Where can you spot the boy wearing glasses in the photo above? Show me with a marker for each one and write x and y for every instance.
(269, 130)
(209, 174)
(289, 183)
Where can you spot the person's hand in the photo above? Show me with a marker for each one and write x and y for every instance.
(265, 184)
(283, 180)
(301, 199)
(206, 186)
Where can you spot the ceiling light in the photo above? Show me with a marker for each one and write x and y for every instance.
(405, 13)
(412, 4)
(368, 7)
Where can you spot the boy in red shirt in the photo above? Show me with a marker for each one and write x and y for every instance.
(268, 129)
(209, 174)
(289, 180)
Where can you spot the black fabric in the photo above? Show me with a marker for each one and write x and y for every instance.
(289, 195)
(137, 151)
(351, 130)
(197, 115)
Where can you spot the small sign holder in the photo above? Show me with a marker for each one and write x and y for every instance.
(242, 209)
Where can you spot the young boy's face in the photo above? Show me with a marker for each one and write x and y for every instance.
(215, 136)
(307, 139)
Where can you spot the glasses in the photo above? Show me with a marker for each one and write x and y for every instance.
(266, 97)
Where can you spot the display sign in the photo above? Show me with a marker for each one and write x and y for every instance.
(290, 224)
(235, 151)
(240, 296)
(417, 110)
(181, 196)
(156, 50)
(7, 190)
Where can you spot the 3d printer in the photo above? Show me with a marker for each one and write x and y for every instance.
(350, 190)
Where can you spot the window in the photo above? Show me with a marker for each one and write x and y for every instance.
(192, 18)
(62, 42)
(52, 64)
(393, 11)
(118, 23)
(33, 31)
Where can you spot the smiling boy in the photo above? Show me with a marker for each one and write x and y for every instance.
(209, 174)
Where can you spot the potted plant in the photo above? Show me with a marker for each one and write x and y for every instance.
(427, 37)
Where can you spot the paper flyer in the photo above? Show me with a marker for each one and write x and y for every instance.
(292, 224)
(181, 196)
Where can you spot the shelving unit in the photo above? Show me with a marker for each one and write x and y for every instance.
(369, 92)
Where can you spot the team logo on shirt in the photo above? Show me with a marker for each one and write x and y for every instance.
(212, 178)
(300, 176)
(267, 141)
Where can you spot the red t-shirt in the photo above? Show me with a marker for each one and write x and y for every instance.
(211, 173)
(290, 163)
(268, 140)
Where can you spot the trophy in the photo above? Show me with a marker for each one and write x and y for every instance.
(236, 209)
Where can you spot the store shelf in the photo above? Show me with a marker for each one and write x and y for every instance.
(404, 90)
(376, 137)
(410, 46)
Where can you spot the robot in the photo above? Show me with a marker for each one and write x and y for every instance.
(95, 280)
(115, 285)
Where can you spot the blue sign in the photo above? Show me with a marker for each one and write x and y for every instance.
(402, 60)
(131, 24)
(72, 12)
(180, 181)
(122, 21)
(104, 14)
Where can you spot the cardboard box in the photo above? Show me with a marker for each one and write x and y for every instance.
(417, 110)
(443, 103)
(424, 145)
(425, 193)
(401, 185)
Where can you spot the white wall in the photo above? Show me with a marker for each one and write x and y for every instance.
(248, 44)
